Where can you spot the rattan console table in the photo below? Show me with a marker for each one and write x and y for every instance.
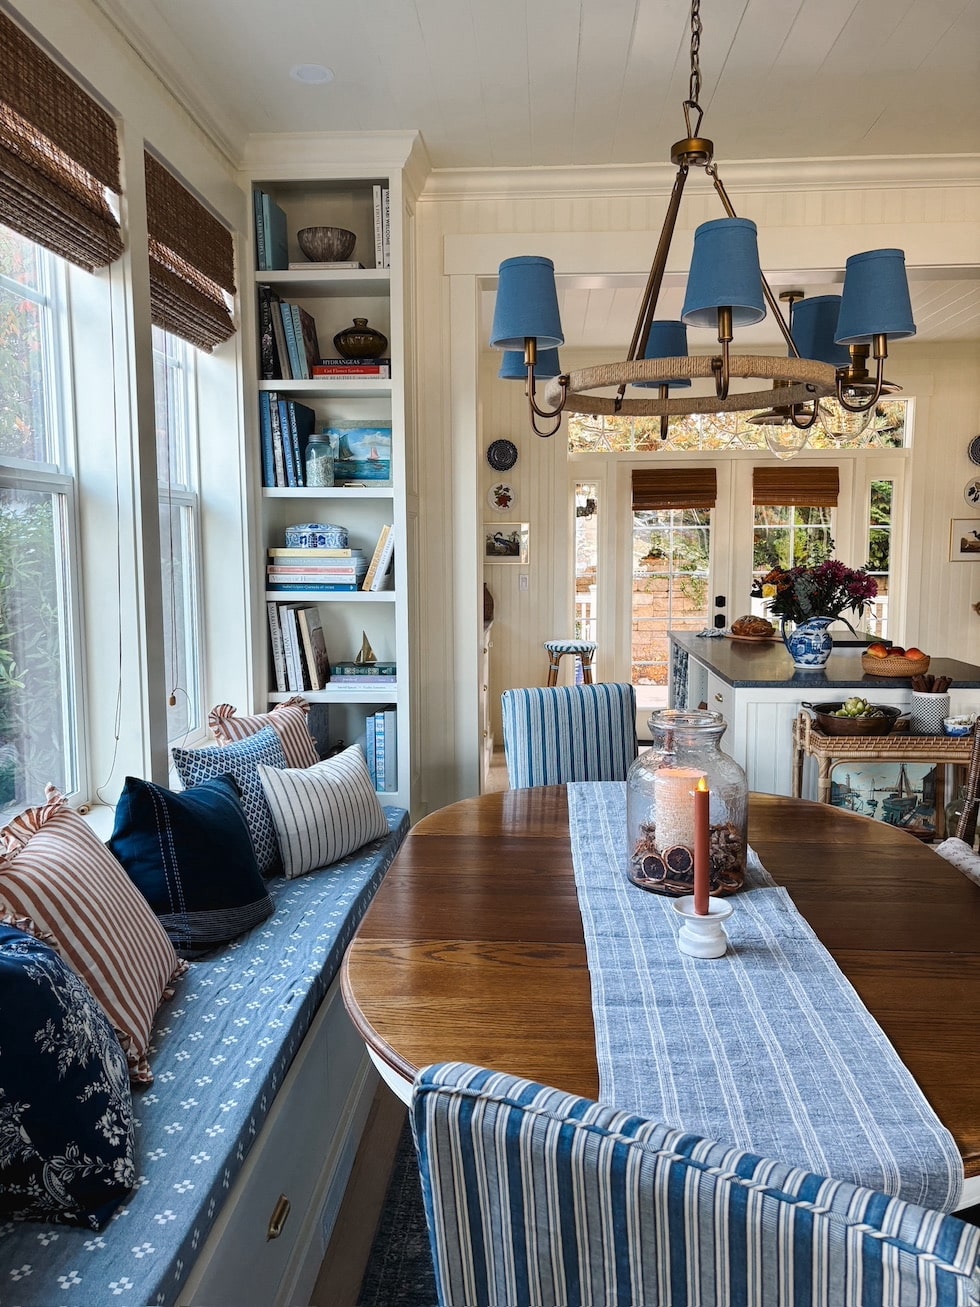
(808, 738)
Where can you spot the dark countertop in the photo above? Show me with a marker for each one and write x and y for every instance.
(768, 664)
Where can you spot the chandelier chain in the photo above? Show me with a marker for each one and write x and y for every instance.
(695, 88)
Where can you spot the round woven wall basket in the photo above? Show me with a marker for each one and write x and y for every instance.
(894, 666)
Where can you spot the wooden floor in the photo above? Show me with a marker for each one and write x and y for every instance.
(343, 1266)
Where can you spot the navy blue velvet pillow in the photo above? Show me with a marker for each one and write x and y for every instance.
(191, 856)
(67, 1144)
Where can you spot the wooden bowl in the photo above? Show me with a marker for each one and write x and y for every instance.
(831, 725)
(326, 244)
(894, 666)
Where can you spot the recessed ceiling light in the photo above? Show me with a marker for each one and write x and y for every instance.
(311, 74)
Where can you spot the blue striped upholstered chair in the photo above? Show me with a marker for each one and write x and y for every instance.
(536, 1198)
(565, 733)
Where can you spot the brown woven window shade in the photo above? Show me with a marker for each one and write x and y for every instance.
(191, 262)
(812, 486)
(674, 487)
(59, 155)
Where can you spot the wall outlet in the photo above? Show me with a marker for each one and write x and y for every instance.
(522, 583)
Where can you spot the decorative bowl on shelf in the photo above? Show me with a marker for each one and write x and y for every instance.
(316, 535)
(882, 723)
(894, 665)
(360, 341)
(326, 244)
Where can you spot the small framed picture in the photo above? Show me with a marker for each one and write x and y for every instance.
(964, 539)
(904, 794)
(505, 542)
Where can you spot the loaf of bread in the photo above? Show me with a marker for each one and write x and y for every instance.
(749, 625)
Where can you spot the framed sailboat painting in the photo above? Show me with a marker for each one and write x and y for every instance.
(908, 795)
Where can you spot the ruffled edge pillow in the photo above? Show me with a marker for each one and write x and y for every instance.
(66, 1107)
(287, 719)
(57, 873)
(962, 857)
(322, 813)
(190, 855)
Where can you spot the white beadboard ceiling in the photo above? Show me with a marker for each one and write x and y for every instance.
(532, 83)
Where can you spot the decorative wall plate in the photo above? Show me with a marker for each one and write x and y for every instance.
(501, 497)
(502, 455)
(973, 449)
(971, 492)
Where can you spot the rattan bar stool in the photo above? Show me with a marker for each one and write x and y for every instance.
(583, 650)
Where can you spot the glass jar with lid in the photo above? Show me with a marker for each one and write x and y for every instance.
(660, 805)
(319, 466)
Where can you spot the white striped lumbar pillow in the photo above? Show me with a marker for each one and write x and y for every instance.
(322, 813)
(57, 873)
(287, 719)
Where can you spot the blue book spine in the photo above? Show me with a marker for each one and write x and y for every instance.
(369, 747)
(261, 257)
(379, 750)
(292, 348)
(304, 364)
(281, 587)
(298, 454)
(265, 429)
(276, 240)
(287, 443)
(391, 749)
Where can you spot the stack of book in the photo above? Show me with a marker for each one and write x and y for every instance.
(315, 569)
(285, 427)
(271, 246)
(386, 672)
(288, 343)
(381, 747)
(352, 368)
(299, 651)
(382, 227)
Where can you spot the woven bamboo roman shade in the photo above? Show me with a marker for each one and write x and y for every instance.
(59, 156)
(191, 262)
(674, 487)
(816, 487)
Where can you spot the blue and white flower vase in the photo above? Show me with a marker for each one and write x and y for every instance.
(809, 644)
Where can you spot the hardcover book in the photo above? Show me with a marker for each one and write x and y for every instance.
(276, 240)
(314, 645)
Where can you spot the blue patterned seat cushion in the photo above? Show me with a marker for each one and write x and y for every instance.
(241, 760)
(535, 1196)
(67, 1140)
(191, 856)
(221, 1050)
(570, 646)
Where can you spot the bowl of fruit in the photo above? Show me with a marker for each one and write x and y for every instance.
(854, 716)
(893, 660)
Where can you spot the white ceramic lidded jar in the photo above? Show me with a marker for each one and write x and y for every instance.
(660, 805)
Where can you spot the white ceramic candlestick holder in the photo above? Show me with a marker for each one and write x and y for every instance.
(703, 936)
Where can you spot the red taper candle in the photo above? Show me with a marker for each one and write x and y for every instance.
(702, 853)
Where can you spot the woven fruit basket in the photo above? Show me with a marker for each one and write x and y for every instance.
(880, 724)
(894, 666)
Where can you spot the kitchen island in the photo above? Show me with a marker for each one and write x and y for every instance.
(755, 686)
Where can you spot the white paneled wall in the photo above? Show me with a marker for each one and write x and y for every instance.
(608, 221)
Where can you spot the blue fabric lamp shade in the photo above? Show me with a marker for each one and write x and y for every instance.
(513, 367)
(527, 305)
(725, 272)
(876, 300)
(667, 340)
(814, 328)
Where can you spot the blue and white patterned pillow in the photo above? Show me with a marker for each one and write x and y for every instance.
(241, 760)
(67, 1141)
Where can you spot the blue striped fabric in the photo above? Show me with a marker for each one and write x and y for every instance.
(536, 1198)
(568, 733)
(570, 646)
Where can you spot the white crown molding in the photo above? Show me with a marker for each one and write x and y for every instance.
(874, 172)
(336, 154)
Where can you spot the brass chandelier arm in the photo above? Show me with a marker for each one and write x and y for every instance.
(537, 411)
(881, 385)
(798, 422)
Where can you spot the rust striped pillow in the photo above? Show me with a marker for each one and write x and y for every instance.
(56, 872)
(287, 719)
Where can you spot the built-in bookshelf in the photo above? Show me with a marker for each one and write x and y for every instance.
(337, 601)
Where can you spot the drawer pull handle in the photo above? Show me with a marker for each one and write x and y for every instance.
(719, 698)
(278, 1218)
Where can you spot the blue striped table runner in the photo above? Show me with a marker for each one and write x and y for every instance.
(768, 1048)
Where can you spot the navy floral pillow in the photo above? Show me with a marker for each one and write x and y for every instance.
(67, 1142)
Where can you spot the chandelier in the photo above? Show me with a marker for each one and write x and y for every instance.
(823, 377)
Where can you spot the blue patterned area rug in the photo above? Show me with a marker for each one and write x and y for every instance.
(399, 1269)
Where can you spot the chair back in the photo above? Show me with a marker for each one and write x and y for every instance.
(535, 1197)
(555, 734)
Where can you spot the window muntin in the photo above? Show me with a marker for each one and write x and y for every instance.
(175, 397)
(880, 520)
(586, 559)
(39, 710)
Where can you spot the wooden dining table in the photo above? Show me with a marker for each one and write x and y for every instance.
(473, 947)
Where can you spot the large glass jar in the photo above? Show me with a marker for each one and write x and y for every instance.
(660, 805)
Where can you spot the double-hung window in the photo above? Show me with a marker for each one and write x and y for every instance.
(175, 397)
(40, 673)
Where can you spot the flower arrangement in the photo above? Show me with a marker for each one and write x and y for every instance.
(826, 590)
